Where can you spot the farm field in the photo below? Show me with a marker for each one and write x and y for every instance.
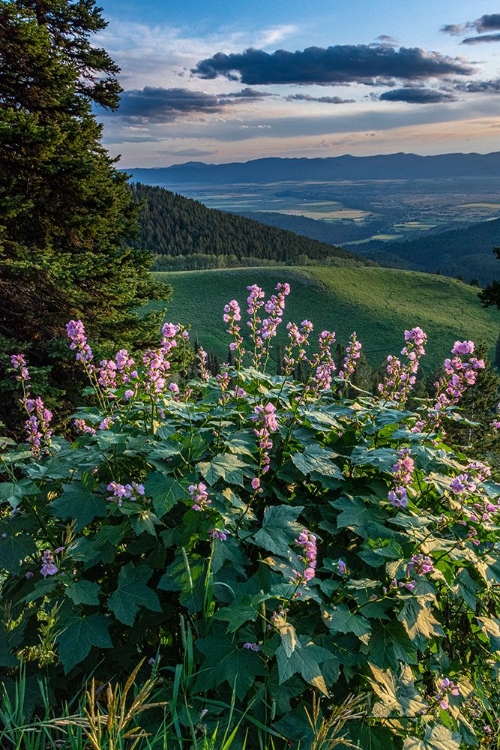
(378, 303)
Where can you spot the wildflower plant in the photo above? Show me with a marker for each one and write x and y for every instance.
(260, 541)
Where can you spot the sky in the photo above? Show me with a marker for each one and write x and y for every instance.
(232, 80)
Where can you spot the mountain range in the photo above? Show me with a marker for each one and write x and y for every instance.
(398, 166)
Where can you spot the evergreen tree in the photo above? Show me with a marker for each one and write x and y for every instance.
(490, 295)
(65, 211)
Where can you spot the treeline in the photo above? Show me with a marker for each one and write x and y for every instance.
(184, 234)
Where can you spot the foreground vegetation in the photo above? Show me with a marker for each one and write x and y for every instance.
(250, 550)
(375, 302)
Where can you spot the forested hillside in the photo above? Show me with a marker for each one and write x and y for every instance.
(464, 252)
(185, 235)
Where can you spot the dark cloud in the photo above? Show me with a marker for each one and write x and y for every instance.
(157, 105)
(322, 99)
(385, 39)
(481, 25)
(455, 29)
(162, 105)
(483, 38)
(416, 96)
(246, 93)
(339, 64)
(487, 23)
(479, 87)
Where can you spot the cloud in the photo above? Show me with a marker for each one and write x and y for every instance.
(322, 99)
(483, 38)
(158, 105)
(186, 152)
(246, 93)
(415, 95)
(479, 87)
(487, 23)
(340, 64)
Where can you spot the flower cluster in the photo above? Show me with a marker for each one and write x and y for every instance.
(252, 646)
(218, 534)
(265, 419)
(201, 362)
(125, 491)
(76, 332)
(446, 688)
(323, 362)
(398, 497)
(458, 375)
(116, 372)
(298, 338)
(402, 470)
(80, 425)
(420, 565)
(37, 427)
(353, 353)
(400, 378)
(48, 567)
(232, 316)
(199, 496)
(19, 363)
(307, 541)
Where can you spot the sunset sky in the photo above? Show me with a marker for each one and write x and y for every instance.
(224, 81)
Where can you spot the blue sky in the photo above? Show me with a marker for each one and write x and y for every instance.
(231, 81)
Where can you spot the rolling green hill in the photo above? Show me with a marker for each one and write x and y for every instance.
(378, 303)
(185, 234)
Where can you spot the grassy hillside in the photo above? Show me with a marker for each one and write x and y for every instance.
(378, 303)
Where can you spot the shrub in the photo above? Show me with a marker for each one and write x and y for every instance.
(269, 546)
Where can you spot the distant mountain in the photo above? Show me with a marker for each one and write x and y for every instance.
(185, 234)
(383, 167)
(465, 252)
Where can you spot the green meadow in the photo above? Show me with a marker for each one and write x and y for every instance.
(377, 303)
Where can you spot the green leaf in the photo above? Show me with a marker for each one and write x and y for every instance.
(318, 462)
(288, 634)
(83, 592)
(226, 466)
(304, 661)
(187, 575)
(279, 528)
(365, 521)
(381, 458)
(238, 613)
(78, 637)
(466, 588)
(7, 658)
(13, 549)
(165, 492)
(227, 661)
(78, 503)
(397, 693)
(491, 627)
(342, 620)
(418, 619)
(144, 520)
(436, 737)
(13, 492)
(133, 593)
(389, 644)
